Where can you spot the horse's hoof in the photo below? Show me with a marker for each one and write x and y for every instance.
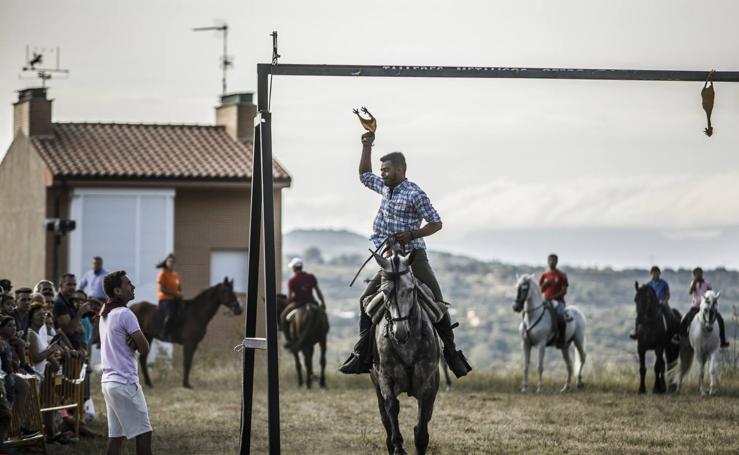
(580, 385)
(524, 389)
(539, 389)
(712, 392)
(565, 389)
(187, 386)
(642, 391)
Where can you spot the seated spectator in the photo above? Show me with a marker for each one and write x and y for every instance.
(46, 288)
(16, 387)
(22, 305)
(7, 306)
(67, 313)
(41, 352)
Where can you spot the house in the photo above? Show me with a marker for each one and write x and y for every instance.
(135, 192)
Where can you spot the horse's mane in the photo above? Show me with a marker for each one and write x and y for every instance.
(651, 298)
(202, 294)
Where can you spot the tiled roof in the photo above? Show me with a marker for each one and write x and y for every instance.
(144, 151)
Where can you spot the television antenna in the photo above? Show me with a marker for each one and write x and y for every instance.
(226, 60)
(35, 58)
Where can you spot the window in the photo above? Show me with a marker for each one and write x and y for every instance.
(233, 264)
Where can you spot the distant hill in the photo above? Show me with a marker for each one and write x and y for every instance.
(482, 293)
(331, 243)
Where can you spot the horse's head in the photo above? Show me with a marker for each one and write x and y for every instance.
(523, 291)
(647, 305)
(227, 297)
(709, 309)
(397, 275)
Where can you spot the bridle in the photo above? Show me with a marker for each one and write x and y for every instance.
(394, 277)
(711, 312)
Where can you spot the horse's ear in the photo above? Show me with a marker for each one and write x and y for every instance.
(718, 294)
(636, 285)
(381, 261)
(225, 280)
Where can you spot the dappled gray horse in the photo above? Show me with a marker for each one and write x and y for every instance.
(407, 354)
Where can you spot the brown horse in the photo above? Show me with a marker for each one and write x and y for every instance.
(309, 325)
(193, 319)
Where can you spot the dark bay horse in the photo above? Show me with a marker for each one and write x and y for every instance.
(308, 326)
(655, 333)
(408, 355)
(193, 319)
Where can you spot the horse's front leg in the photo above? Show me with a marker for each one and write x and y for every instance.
(568, 364)
(526, 358)
(642, 371)
(714, 372)
(392, 407)
(701, 373)
(659, 372)
(425, 410)
(540, 370)
(385, 420)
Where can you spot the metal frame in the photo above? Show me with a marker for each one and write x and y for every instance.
(262, 204)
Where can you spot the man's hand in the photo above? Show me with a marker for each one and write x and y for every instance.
(404, 237)
(368, 139)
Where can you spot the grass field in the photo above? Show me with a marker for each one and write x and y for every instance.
(484, 413)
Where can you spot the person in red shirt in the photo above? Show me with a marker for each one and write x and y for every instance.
(300, 289)
(553, 284)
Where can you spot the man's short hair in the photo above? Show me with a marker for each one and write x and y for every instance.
(65, 276)
(553, 256)
(112, 281)
(697, 270)
(97, 258)
(655, 269)
(397, 159)
(23, 291)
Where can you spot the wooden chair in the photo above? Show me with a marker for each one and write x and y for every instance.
(73, 388)
(33, 411)
(58, 393)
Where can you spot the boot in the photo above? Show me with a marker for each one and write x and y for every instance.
(722, 331)
(360, 360)
(635, 333)
(164, 333)
(455, 359)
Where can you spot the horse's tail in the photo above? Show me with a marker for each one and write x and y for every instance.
(579, 335)
(686, 361)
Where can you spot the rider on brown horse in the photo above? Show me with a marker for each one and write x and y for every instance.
(404, 205)
(300, 289)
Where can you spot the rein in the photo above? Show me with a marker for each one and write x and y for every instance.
(364, 264)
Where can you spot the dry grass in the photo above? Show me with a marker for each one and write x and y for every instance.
(483, 414)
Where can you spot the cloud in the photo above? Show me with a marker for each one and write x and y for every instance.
(680, 205)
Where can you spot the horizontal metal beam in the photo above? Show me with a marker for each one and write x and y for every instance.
(495, 72)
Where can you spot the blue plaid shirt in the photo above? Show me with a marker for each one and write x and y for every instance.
(402, 209)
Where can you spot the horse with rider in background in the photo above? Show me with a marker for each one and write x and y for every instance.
(303, 321)
(656, 332)
(538, 331)
(702, 343)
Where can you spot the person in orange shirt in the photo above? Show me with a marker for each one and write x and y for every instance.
(169, 287)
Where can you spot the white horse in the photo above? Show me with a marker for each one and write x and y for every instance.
(702, 343)
(536, 331)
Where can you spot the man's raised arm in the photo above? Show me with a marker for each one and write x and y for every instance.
(365, 163)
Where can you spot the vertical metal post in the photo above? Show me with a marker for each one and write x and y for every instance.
(252, 294)
(273, 382)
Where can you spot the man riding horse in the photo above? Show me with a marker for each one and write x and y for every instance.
(554, 284)
(300, 289)
(698, 288)
(398, 225)
(662, 291)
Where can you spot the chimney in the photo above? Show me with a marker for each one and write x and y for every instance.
(32, 112)
(236, 113)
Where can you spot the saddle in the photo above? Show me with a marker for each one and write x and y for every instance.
(557, 321)
(374, 305)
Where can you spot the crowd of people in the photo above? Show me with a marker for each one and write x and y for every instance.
(41, 327)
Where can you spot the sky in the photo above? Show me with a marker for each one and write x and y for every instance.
(606, 173)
